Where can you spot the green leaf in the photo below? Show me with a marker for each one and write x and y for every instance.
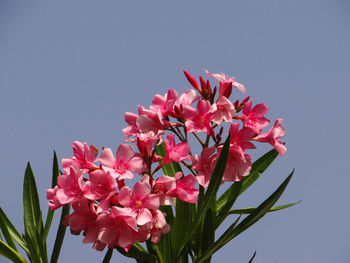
(259, 212)
(209, 252)
(182, 223)
(227, 203)
(249, 210)
(10, 253)
(32, 245)
(41, 246)
(208, 232)
(258, 167)
(210, 194)
(59, 236)
(31, 205)
(137, 252)
(252, 258)
(165, 242)
(108, 256)
(50, 213)
(6, 232)
(262, 209)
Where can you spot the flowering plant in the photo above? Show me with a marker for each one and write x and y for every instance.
(173, 208)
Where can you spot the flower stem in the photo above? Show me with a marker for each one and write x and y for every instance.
(199, 139)
(159, 256)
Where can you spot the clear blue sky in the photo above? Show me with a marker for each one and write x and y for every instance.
(70, 69)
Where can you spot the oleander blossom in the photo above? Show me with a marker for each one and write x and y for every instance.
(157, 152)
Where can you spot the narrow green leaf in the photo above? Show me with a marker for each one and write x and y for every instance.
(182, 223)
(259, 212)
(249, 210)
(10, 253)
(233, 191)
(252, 258)
(31, 205)
(50, 213)
(108, 256)
(258, 167)
(6, 232)
(41, 246)
(211, 250)
(137, 252)
(208, 232)
(32, 244)
(210, 194)
(59, 236)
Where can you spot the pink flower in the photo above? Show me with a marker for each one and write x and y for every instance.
(69, 188)
(162, 186)
(225, 110)
(146, 142)
(241, 137)
(140, 200)
(101, 186)
(165, 103)
(187, 98)
(225, 83)
(125, 164)
(199, 120)
(185, 190)
(145, 121)
(158, 226)
(118, 227)
(150, 120)
(176, 153)
(132, 129)
(83, 219)
(273, 137)
(204, 165)
(254, 118)
(238, 164)
(84, 156)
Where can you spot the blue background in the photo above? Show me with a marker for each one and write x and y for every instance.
(70, 69)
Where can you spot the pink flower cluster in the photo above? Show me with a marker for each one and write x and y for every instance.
(110, 213)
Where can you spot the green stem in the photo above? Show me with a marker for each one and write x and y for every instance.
(159, 256)
(189, 168)
(108, 256)
(207, 141)
(60, 236)
(177, 134)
